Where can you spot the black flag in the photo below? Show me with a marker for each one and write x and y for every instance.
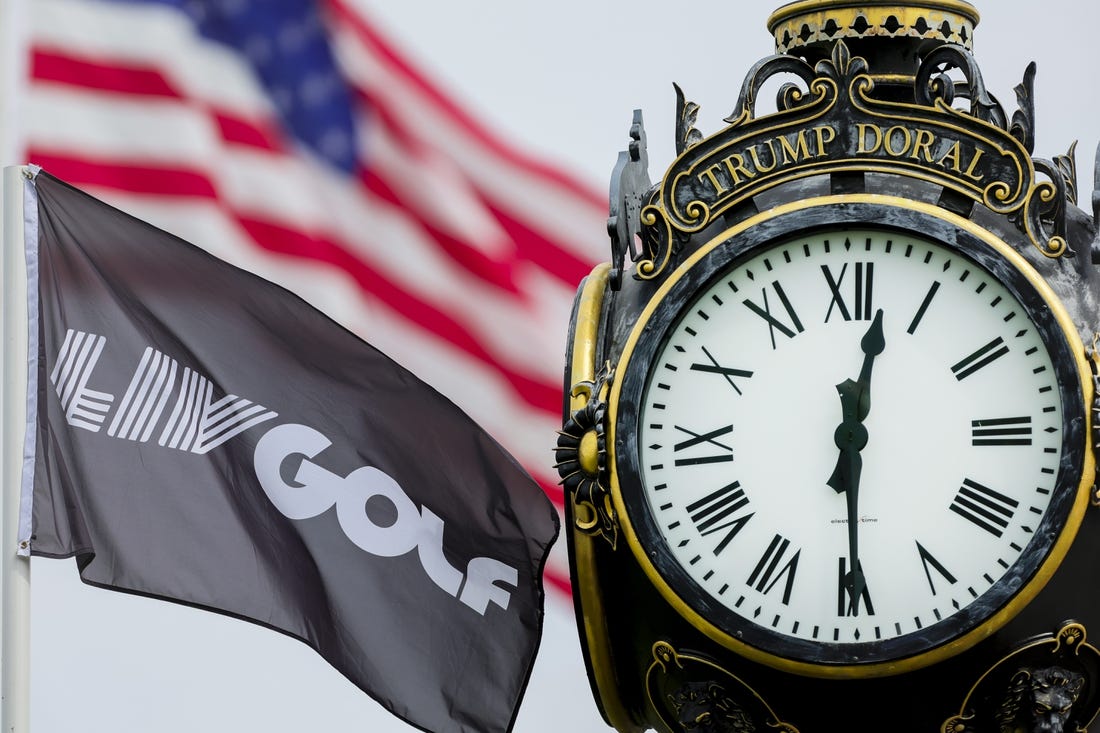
(206, 437)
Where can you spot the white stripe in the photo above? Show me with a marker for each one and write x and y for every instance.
(435, 187)
(209, 442)
(155, 36)
(226, 407)
(155, 394)
(157, 131)
(194, 417)
(64, 380)
(556, 211)
(126, 409)
(216, 422)
(86, 360)
(164, 389)
(62, 355)
(181, 412)
(95, 403)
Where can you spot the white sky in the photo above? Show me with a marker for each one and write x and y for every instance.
(561, 80)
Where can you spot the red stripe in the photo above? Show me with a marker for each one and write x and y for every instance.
(380, 48)
(499, 274)
(109, 77)
(263, 135)
(131, 177)
(556, 260)
(119, 78)
(544, 252)
(558, 581)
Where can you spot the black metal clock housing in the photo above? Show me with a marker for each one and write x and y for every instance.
(828, 424)
(731, 444)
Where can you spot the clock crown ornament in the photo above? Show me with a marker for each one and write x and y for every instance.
(813, 26)
(740, 538)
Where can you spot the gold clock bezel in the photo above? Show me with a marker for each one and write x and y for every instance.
(842, 206)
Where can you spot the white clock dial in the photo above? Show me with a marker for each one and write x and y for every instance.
(849, 439)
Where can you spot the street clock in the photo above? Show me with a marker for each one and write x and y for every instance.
(829, 421)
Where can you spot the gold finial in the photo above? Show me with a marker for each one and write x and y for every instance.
(814, 24)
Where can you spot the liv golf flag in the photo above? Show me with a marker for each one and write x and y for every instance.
(205, 437)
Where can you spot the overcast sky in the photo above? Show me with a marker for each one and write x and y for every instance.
(561, 80)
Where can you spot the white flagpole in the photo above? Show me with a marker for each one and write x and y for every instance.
(15, 570)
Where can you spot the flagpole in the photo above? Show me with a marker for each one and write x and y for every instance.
(15, 570)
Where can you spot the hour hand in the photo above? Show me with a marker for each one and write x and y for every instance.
(873, 343)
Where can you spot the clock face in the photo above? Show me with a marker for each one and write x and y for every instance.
(851, 444)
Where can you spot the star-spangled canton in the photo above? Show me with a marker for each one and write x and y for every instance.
(287, 47)
(430, 238)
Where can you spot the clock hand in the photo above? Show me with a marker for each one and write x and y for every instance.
(872, 344)
(850, 437)
(854, 579)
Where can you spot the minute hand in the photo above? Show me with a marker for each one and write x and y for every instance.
(850, 437)
(855, 404)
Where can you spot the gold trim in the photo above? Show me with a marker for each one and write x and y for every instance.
(807, 23)
(586, 330)
(724, 170)
(583, 369)
(989, 626)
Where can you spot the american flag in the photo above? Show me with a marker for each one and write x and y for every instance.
(292, 139)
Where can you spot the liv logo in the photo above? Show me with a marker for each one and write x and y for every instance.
(196, 423)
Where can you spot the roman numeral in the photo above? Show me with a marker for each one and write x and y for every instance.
(714, 513)
(774, 324)
(923, 308)
(863, 276)
(700, 438)
(984, 507)
(727, 372)
(931, 563)
(984, 356)
(768, 571)
(1002, 431)
(845, 604)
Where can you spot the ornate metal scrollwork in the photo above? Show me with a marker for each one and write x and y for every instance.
(1044, 213)
(581, 457)
(789, 95)
(832, 121)
(693, 694)
(1047, 684)
(686, 112)
(1023, 119)
(932, 83)
(629, 189)
(1067, 167)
